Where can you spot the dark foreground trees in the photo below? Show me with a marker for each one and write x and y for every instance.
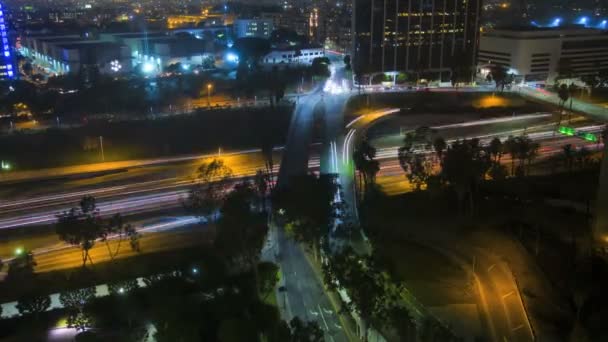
(83, 226)
(307, 206)
(206, 195)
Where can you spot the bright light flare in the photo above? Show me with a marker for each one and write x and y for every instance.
(333, 88)
(148, 68)
(232, 57)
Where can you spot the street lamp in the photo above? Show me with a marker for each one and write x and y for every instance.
(18, 251)
(209, 95)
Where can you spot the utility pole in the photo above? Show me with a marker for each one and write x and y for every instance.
(103, 157)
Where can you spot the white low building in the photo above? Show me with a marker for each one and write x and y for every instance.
(303, 56)
(534, 54)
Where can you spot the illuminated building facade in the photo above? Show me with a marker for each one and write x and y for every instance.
(253, 28)
(415, 35)
(534, 54)
(7, 69)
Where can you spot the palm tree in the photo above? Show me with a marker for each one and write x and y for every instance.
(564, 94)
(532, 152)
(572, 88)
(582, 157)
(510, 147)
(568, 154)
(368, 167)
(495, 149)
(439, 145)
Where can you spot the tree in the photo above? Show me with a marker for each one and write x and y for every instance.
(27, 68)
(122, 287)
(582, 157)
(347, 65)
(116, 228)
(261, 183)
(33, 305)
(465, 165)
(525, 150)
(320, 67)
(497, 171)
(369, 289)
(500, 76)
(439, 145)
(242, 232)
(415, 165)
(368, 167)
(77, 299)
(564, 94)
(510, 147)
(205, 197)
(308, 207)
(268, 278)
(495, 149)
(80, 321)
(21, 268)
(402, 321)
(81, 226)
(250, 51)
(305, 331)
(568, 155)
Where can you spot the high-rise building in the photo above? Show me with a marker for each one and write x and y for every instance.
(6, 59)
(415, 35)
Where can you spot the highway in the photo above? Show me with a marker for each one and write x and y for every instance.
(131, 193)
(134, 192)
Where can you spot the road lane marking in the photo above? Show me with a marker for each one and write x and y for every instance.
(323, 318)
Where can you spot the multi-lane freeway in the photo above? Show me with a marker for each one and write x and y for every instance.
(134, 187)
(154, 186)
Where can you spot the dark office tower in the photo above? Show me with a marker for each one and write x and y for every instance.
(6, 59)
(415, 35)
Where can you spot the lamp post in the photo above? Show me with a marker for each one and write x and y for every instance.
(103, 157)
(209, 95)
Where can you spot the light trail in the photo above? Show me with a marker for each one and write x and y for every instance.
(142, 197)
(141, 201)
(494, 121)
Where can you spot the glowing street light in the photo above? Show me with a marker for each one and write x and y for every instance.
(115, 66)
(209, 86)
(5, 166)
(18, 251)
(556, 21)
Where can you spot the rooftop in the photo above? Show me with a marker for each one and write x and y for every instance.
(534, 32)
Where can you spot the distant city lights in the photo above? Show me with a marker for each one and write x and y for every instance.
(585, 21)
